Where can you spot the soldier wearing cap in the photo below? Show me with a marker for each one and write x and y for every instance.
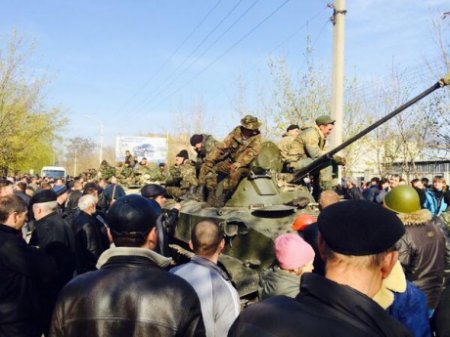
(286, 142)
(358, 241)
(232, 158)
(203, 145)
(183, 178)
(310, 145)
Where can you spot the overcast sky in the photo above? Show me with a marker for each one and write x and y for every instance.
(135, 64)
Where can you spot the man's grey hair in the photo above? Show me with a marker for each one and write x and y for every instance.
(47, 207)
(86, 201)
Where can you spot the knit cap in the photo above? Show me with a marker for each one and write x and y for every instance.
(292, 251)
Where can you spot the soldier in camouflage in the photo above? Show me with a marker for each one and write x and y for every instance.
(309, 146)
(286, 144)
(106, 170)
(141, 174)
(231, 158)
(183, 180)
(203, 144)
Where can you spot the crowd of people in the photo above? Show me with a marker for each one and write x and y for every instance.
(81, 257)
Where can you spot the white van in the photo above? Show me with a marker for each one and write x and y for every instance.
(54, 172)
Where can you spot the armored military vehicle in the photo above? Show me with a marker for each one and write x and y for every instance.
(263, 206)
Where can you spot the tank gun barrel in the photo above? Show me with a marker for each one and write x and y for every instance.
(327, 158)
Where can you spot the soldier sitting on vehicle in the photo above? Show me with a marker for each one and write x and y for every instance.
(183, 180)
(203, 144)
(309, 146)
(231, 159)
(286, 142)
(130, 160)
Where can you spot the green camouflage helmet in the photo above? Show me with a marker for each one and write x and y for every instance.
(402, 199)
(250, 122)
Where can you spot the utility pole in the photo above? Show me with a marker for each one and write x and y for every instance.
(337, 101)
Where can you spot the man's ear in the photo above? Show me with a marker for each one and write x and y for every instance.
(387, 263)
(222, 244)
(191, 246)
(322, 247)
(152, 239)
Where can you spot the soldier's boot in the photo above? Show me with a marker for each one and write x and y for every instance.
(222, 198)
(199, 193)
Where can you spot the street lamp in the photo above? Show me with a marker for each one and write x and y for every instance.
(101, 136)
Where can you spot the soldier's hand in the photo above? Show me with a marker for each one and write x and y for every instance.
(339, 160)
(234, 167)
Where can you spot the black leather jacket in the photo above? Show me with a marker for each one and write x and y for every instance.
(130, 295)
(89, 241)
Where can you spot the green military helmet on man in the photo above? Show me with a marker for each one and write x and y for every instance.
(402, 199)
(250, 122)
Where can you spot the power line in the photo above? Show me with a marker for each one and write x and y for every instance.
(165, 86)
(171, 56)
(225, 52)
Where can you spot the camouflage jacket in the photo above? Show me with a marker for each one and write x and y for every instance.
(285, 145)
(236, 148)
(141, 169)
(209, 143)
(183, 175)
(309, 143)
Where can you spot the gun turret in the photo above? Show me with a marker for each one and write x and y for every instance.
(326, 159)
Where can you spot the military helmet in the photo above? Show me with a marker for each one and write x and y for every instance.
(402, 199)
(303, 221)
(250, 122)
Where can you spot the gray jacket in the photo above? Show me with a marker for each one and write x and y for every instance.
(219, 301)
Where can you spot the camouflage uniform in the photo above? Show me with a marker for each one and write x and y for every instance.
(209, 143)
(233, 150)
(141, 174)
(182, 178)
(307, 147)
(285, 145)
(106, 170)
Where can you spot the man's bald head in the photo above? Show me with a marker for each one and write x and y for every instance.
(206, 237)
(327, 198)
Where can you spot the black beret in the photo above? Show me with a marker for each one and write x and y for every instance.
(359, 227)
(152, 190)
(43, 196)
(131, 214)
(195, 139)
(183, 154)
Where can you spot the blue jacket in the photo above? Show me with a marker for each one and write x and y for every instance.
(436, 205)
(410, 308)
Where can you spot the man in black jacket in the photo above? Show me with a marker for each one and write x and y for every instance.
(131, 294)
(88, 235)
(24, 271)
(357, 240)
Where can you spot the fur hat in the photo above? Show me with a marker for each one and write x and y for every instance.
(195, 139)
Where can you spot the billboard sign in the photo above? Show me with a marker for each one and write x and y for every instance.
(152, 148)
